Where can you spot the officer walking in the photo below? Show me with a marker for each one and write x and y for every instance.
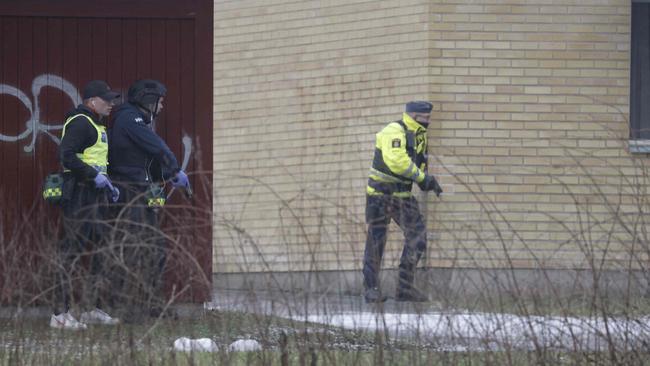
(400, 159)
(83, 152)
(140, 162)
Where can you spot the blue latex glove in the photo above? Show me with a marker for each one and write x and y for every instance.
(115, 193)
(181, 180)
(102, 181)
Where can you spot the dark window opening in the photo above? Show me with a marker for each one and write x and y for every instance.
(640, 77)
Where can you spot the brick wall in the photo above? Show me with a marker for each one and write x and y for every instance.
(300, 89)
(531, 133)
(528, 133)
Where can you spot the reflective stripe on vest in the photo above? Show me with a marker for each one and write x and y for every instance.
(95, 155)
(382, 180)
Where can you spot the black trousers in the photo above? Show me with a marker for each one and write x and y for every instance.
(85, 210)
(142, 252)
(380, 209)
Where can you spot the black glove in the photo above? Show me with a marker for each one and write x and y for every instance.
(430, 184)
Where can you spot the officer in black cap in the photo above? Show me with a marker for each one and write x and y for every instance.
(140, 162)
(83, 153)
(400, 159)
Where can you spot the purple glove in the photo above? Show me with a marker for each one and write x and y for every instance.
(181, 180)
(102, 181)
(115, 193)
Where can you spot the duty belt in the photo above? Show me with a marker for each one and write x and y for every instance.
(389, 188)
(100, 168)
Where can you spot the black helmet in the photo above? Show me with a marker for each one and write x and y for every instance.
(146, 91)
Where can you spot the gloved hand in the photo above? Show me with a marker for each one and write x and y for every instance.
(430, 184)
(115, 193)
(181, 180)
(102, 181)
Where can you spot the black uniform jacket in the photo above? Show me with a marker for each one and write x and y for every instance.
(136, 153)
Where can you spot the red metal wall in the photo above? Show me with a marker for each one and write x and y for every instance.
(47, 54)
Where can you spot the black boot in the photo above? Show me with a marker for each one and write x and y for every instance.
(411, 294)
(373, 295)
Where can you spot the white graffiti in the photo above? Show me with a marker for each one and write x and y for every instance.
(34, 125)
(187, 150)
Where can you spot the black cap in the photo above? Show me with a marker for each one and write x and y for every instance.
(99, 88)
(419, 107)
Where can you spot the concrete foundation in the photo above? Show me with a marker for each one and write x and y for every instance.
(450, 283)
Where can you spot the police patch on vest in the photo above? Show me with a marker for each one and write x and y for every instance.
(104, 139)
(397, 142)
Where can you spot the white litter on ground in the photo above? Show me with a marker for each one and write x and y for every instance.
(245, 345)
(185, 344)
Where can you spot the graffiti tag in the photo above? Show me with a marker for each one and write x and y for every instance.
(34, 125)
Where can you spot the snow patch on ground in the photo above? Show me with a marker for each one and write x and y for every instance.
(447, 329)
(496, 330)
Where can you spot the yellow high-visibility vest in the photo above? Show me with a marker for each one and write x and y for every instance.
(95, 155)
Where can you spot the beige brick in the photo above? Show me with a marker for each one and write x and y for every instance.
(553, 99)
(495, 98)
(497, 80)
(469, 63)
(456, 53)
(482, 107)
(517, 28)
(537, 90)
(525, 99)
(496, 133)
(482, 71)
(455, 18)
(468, 27)
(526, 63)
(468, 98)
(510, 89)
(484, 36)
(524, 80)
(525, 45)
(468, 79)
(468, 133)
(482, 89)
(456, 36)
(525, 134)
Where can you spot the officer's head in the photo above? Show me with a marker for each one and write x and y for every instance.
(99, 97)
(148, 95)
(420, 111)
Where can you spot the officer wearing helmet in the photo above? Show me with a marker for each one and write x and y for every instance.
(140, 162)
(135, 146)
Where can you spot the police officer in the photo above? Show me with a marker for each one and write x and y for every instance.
(400, 159)
(83, 153)
(140, 161)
